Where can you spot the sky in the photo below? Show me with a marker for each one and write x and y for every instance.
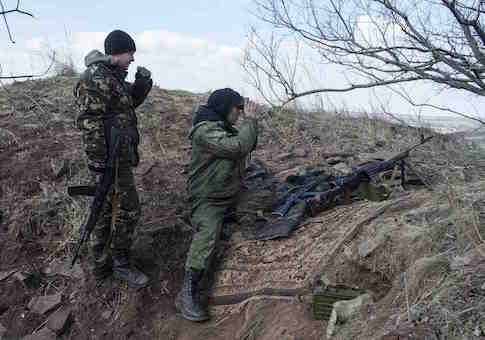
(191, 45)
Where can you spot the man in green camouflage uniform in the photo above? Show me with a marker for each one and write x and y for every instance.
(106, 100)
(219, 153)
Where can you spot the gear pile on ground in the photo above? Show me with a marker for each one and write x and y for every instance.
(419, 254)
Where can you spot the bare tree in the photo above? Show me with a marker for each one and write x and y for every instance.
(17, 10)
(379, 43)
(4, 12)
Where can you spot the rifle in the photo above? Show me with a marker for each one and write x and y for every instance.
(301, 193)
(347, 183)
(364, 173)
(102, 189)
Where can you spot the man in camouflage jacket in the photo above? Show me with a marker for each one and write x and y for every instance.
(106, 100)
(219, 153)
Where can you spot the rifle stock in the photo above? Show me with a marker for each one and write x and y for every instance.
(102, 190)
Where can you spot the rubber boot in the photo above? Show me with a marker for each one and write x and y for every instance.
(188, 299)
(124, 271)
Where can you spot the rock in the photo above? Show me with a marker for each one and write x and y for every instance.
(33, 127)
(367, 247)
(44, 334)
(334, 160)
(60, 167)
(285, 156)
(5, 275)
(59, 321)
(343, 168)
(106, 314)
(64, 268)
(3, 330)
(300, 152)
(27, 279)
(460, 262)
(380, 143)
(477, 331)
(285, 173)
(343, 310)
(44, 304)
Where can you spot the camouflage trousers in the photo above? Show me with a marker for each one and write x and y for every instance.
(119, 240)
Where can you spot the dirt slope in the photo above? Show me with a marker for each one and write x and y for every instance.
(423, 233)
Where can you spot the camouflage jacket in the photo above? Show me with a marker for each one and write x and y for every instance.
(101, 94)
(218, 159)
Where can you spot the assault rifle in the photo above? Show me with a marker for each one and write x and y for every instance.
(347, 183)
(102, 189)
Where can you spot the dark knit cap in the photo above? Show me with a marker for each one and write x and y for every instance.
(118, 42)
(222, 101)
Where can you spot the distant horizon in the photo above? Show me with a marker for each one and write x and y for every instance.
(195, 46)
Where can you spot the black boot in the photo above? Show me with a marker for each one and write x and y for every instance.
(102, 269)
(102, 263)
(188, 299)
(123, 270)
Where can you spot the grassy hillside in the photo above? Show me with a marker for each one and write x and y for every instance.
(419, 254)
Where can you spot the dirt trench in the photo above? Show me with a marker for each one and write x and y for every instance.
(40, 154)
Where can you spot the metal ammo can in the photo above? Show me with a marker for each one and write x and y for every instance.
(324, 296)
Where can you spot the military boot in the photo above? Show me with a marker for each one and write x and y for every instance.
(102, 263)
(123, 270)
(102, 268)
(187, 301)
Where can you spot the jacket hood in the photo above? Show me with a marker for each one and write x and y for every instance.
(195, 127)
(96, 56)
(206, 113)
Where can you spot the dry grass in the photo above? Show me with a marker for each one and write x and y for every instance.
(421, 244)
(424, 239)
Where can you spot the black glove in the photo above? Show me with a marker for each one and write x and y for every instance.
(142, 72)
(142, 85)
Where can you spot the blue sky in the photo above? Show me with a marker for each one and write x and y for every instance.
(195, 45)
(191, 45)
(221, 21)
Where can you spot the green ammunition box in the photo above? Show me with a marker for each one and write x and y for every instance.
(325, 296)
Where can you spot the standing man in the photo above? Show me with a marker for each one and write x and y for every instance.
(106, 102)
(216, 169)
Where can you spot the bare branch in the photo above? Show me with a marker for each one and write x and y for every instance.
(46, 72)
(350, 88)
(375, 43)
(4, 12)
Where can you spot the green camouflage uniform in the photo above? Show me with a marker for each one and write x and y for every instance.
(103, 95)
(216, 171)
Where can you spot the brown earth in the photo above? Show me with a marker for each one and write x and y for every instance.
(434, 237)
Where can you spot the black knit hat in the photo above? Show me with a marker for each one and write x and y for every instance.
(118, 42)
(222, 101)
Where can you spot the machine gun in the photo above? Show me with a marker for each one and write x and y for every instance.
(346, 183)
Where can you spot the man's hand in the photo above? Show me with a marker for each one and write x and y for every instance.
(249, 108)
(142, 72)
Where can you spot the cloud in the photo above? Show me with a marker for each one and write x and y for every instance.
(182, 61)
(176, 60)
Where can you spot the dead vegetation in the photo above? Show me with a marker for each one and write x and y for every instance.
(420, 254)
